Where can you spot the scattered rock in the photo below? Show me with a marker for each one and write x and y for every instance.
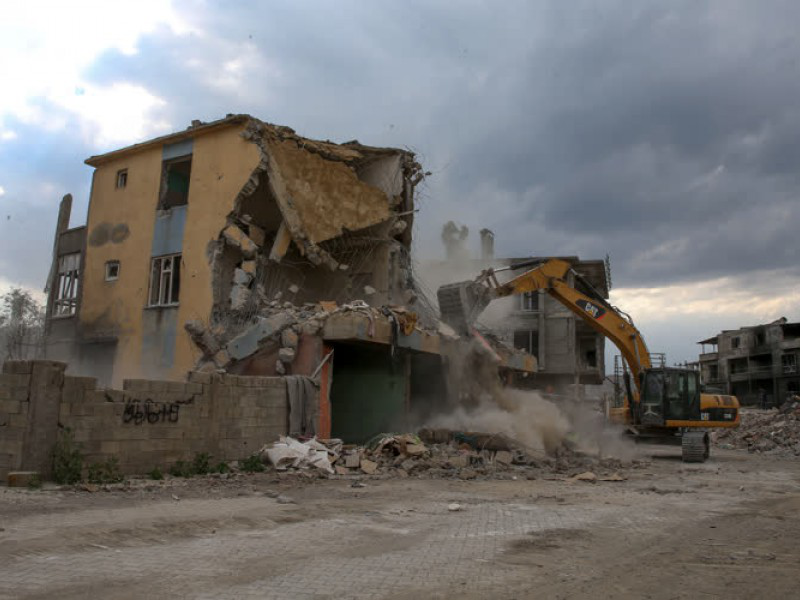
(455, 507)
(586, 476)
(368, 466)
(289, 339)
(503, 457)
(286, 355)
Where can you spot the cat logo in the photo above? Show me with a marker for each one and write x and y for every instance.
(592, 309)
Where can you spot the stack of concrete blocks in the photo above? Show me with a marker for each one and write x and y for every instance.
(148, 424)
(15, 383)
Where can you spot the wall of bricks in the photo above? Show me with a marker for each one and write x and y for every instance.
(147, 424)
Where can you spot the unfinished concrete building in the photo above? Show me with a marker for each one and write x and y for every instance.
(569, 353)
(745, 361)
(239, 246)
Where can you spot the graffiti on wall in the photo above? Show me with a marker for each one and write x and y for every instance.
(139, 411)
(148, 411)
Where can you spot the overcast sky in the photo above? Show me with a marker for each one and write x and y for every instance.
(664, 134)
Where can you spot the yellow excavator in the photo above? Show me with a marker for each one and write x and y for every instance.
(664, 404)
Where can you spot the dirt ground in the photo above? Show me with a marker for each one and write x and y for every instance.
(724, 529)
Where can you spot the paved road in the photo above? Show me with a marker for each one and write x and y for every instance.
(725, 529)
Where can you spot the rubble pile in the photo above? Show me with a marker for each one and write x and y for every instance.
(281, 324)
(437, 454)
(775, 431)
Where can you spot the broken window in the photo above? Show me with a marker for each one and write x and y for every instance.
(175, 175)
(527, 340)
(165, 280)
(529, 301)
(789, 362)
(112, 270)
(66, 293)
(122, 178)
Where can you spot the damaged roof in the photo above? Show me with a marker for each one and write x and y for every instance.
(348, 151)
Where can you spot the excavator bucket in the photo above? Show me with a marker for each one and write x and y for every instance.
(461, 303)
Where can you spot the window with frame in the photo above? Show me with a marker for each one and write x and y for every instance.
(175, 176)
(65, 301)
(112, 270)
(527, 340)
(789, 362)
(165, 280)
(735, 342)
(122, 178)
(529, 301)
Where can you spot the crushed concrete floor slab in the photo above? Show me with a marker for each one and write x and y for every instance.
(726, 528)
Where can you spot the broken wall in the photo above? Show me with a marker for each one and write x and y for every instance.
(315, 221)
(145, 425)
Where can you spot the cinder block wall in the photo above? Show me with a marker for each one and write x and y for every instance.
(147, 424)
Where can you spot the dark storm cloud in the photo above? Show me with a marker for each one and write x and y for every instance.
(665, 134)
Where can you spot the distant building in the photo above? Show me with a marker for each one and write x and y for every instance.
(568, 351)
(745, 361)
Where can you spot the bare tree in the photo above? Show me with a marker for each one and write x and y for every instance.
(21, 325)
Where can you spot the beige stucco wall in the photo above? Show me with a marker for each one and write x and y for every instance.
(221, 164)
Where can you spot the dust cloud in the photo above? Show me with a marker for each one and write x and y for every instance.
(478, 401)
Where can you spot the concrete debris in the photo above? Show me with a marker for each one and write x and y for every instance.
(289, 339)
(775, 431)
(288, 452)
(368, 466)
(403, 455)
(455, 507)
(286, 355)
(234, 236)
(201, 336)
(369, 290)
(240, 296)
(249, 267)
(241, 277)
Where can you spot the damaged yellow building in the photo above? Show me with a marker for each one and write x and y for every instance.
(180, 227)
(238, 245)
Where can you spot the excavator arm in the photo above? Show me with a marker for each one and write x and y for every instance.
(461, 303)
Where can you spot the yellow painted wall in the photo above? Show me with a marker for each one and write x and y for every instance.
(115, 308)
(221, 164)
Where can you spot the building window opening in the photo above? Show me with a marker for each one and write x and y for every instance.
(112, 270)
(165, 280)
(66, 298)
(789, 362)
(527, 340)
(735, 342)
(529, 301)
(122, 178)
(175, 176)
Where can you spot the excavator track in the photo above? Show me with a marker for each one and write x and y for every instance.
(695, 446)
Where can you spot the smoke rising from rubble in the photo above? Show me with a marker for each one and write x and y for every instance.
(478, 401)
(531, 420)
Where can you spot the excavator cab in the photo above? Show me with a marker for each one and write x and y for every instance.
(668, 394)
